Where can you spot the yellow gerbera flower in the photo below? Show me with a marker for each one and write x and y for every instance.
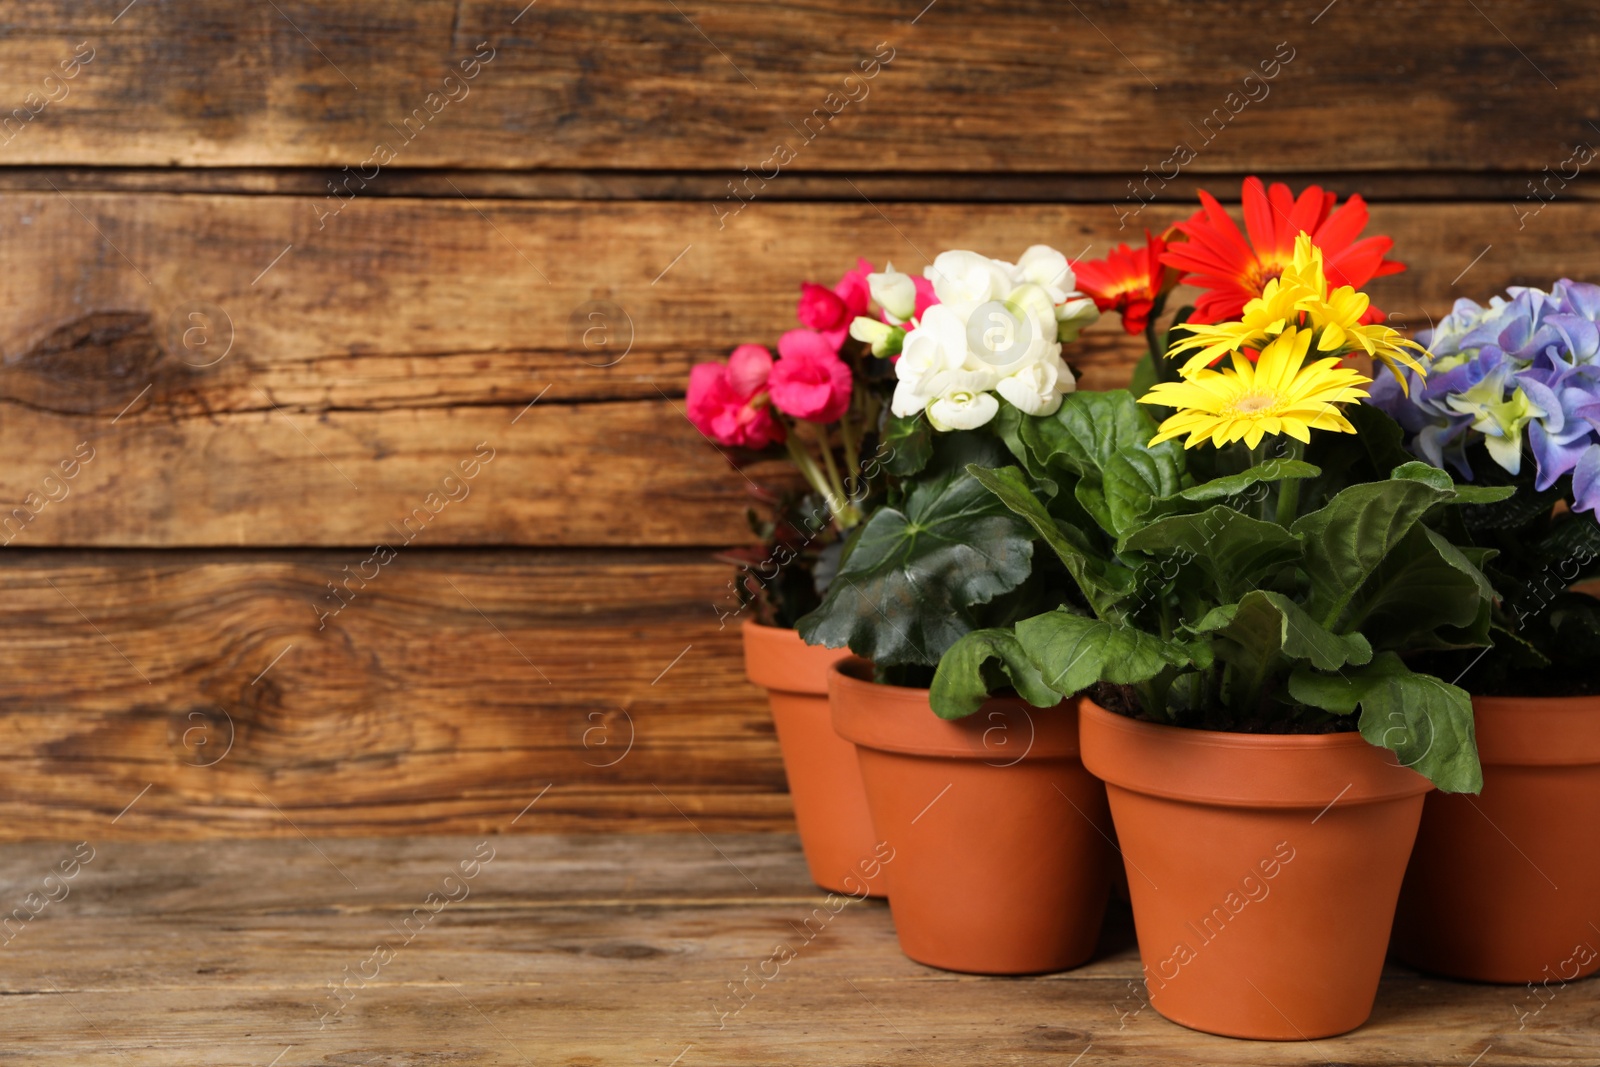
(1300, 298)
(1278, 393)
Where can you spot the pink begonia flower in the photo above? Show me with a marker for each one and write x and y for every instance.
(727, 401)
(830, 311)
(809, 381)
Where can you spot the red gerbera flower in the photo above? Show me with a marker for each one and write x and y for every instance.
(1218, 259)
(1129, 280)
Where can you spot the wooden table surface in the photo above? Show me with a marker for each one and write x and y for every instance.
(587, 950)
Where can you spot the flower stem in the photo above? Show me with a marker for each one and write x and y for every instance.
(808, 467)
(838, 500)
(1151, 330)
(850, 435)
(1289, 490)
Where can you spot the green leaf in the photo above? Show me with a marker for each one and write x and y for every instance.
(1426, 722)
(1236, 551)
(981, 663)
(1517, 650)
(1273, 470)
(1073, 652)
(1524, 507)
(1479, 633)
(912, 442)
(1132, 481)
(1102, 580)
(904, 592)
(1381, 437)
(1104, 438)
(1423, 584)
(1348, 539)
(1426, 473)
(1483, 494)
(1265, 624)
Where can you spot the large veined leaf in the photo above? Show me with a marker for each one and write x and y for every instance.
(912, 442)
(904, 592)
(1103, 437)
(980, 663)
(1102, 580)
(1425, 721)
(1007, 425)
(1348, 539)
(1073, 652)
(1132, 481)
(1423, 584)
(1479, 633)
(1236, 551)
(1416, 470)
(1265, 624)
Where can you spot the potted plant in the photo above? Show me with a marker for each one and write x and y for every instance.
(1239, 621)
(820, 403)
(999, 835)
(1505, 887)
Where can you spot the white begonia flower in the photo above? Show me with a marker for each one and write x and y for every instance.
(966, 279)
(1037, 302)
(998, 328)
(1073, 316)
(1008, 335)
(935, 356)
(896, 293)
(962, 409)
(1049, 269)
(1043, 266)
(1038, 388)
(906, 401)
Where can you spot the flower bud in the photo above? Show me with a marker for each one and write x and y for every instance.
(896, 293)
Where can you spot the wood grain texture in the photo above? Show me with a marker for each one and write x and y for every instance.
(371, 354)
(1106, 85)
(220, 694)
(1061, 187)
(598, 951)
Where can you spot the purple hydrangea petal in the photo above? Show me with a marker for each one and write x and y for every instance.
(1586, 480)
(1553, 455)
(1581, 298)
(1445, 444)
(1546, 399)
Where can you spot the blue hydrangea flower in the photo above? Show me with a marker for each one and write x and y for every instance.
(1524, 368)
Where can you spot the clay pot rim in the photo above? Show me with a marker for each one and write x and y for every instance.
(898, 719)
(1305, 771)
(1537, 731)
(775, 658)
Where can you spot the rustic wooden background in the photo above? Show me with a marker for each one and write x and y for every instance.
(255, 377)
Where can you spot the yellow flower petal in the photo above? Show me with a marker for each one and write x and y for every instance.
(1278, 393)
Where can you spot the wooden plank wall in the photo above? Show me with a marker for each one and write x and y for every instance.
(276, 276)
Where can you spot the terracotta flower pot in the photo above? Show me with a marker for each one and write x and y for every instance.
(1263, 869)
(830, 807)
(1505, 886)
(1000, 861)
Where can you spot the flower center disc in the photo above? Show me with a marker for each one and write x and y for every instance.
(1254, 403)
